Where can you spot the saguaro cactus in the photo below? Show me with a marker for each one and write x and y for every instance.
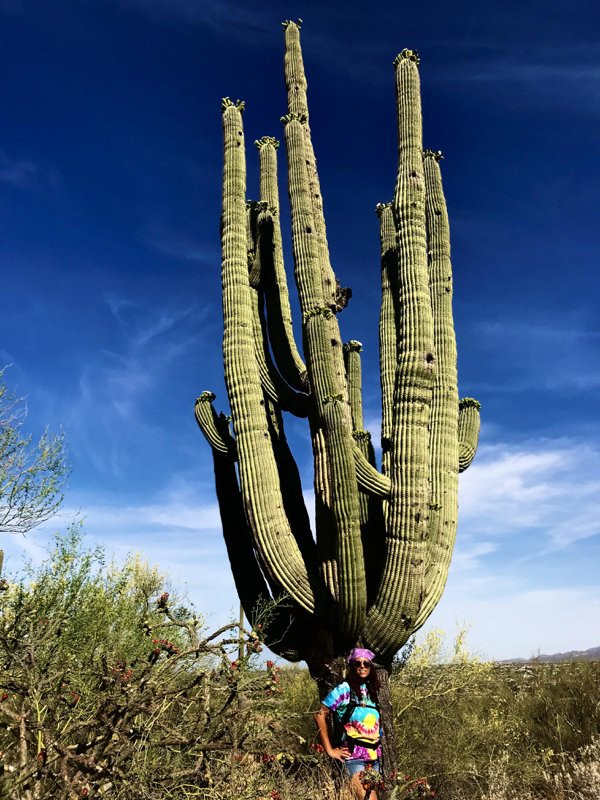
(377, 562)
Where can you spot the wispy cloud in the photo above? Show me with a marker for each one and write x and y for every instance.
(121, 390)
(181, 245)
(27, 175)
(548, 486)
(233, 17)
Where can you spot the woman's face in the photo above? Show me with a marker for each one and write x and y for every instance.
(362, 667)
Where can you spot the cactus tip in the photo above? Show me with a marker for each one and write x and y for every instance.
(435, 154)
(407, 55)
(265, 140)
(206, 397)
(469, 402)
(353, 346)
(293, 116)
(288, 22)
(380, 208)
(227, 102)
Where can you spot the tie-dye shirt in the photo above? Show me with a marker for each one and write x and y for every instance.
(363, 722)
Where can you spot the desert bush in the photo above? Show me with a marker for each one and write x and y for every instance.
(483, 731)
(110, 687)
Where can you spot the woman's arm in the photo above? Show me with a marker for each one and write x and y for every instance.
(339, 753)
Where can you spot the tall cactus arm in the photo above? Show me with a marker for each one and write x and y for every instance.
(468, 431)
(280, 635)
(274, 281)
(372, 484)
(215, 432)
(273, 384)
(352, 350)
(443, 429)
(261, 491)
(387, 325)
(391, 618)
(295, 82)
(325, 363)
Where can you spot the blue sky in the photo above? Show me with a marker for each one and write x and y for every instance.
(110, 161)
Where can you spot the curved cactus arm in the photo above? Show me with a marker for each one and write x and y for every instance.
(272, 382)
(443, 429)
(214, 427)
(369, 479)
(291, 485)
(329, 399)
(281, 634)
(468, 431)
(387, 325)
(260, 487)
(296, 85)
(274, 281)
(392, 617)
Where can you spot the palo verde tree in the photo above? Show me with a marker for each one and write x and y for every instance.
(32, 475)
(377, 563)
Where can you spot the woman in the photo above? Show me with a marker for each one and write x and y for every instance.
(355, 704)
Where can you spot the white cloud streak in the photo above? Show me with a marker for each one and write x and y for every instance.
(550, 486)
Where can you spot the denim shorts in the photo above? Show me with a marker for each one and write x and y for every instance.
(353, 765)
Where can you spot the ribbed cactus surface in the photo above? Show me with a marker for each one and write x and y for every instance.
(376, 563)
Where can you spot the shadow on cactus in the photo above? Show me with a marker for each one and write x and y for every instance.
(376, 565)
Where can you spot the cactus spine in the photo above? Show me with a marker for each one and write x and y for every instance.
(378, 561)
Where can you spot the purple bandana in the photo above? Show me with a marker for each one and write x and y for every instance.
(359, 652)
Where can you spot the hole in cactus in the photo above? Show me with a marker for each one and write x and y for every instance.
(429, 358)
(309, 230)
(334, 342)
(418, 516)
(413, 174)
(438, 213)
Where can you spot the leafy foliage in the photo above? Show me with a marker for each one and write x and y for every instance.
(32, 475)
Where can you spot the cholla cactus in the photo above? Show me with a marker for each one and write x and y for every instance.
(378, 560)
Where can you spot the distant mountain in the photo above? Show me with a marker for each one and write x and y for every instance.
(593, 654)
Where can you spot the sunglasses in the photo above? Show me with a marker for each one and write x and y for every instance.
(356, 664)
